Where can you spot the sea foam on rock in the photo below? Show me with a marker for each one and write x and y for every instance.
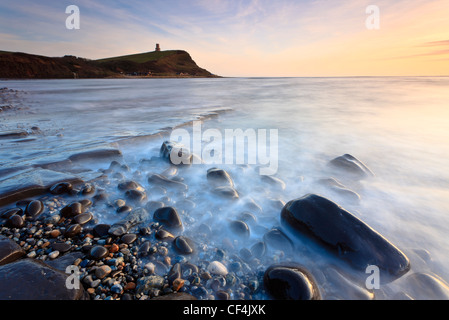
(344, 234)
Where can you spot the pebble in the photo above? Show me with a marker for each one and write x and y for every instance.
(53, 255)
(102, 271)
(73, 230)
(55, 233)
(183, 245)
(15, 221)
(128, 238)
(34, 208)
(61, 188)
(71, 210)
(217, 268)
(178, 283)
(240, 228)
(98, 252)
(83, 218)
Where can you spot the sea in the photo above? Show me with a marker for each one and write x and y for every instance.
(397, 126)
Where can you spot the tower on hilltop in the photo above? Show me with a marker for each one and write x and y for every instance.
(158, 48)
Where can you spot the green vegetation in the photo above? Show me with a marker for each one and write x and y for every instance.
(141, 57)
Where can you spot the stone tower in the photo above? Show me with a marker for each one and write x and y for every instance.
(157, 47)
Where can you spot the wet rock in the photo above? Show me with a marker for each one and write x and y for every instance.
(248, 217)
(136, 196)
(278, 240)
(98, 252)
(64, 261)
(343, 234)
(15, 221)
(226, 192)
(353, 290)
(124, 209)
(73, 230)
(219, 177)
(339, 188)
(61, 188)
(175, 153)
(162, 234)
(9, 250)
(96, 154)
(102, 271)
(34, 209)
(169, 217)
(351, 165)
(61, 247)
(6, 214)
(425, 286)
(30, 279)
(217, 268)
(72, 210)
(160, 180)
(259, 249)
(87, 189)
(101, 230)
(83, 218)
(240, 228)
(130, 185)
(145, 284)
(134, 218)
(128, 238)
(152, 206)
(290, 282)
(183, 245)
(273, 181)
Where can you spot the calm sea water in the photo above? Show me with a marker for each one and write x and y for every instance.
(399, 127)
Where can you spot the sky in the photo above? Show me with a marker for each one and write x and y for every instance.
(244, 38)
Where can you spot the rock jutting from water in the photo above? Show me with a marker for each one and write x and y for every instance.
(175, 153)
(341, 232)
(351, 165)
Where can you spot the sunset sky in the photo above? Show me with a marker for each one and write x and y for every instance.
(243, 37)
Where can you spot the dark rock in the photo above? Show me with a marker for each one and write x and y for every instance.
(240, 228)
(226, 192)
(158, 179)
(128, 238)
(175, 153)
(100, 197)
(86, 203)
(183, 245)
(15, 221)
(71, 210)
(10, 212)
(9, 251)
(124, 209)
(87, 189)
(101, 230)
(61, 246)
(61, 188)
(351, 165)
(278, 240)
(169, 217)
(66, 260)
(30, 279)
(34, 209)
(96, 154)
(134, 218)
(98, 252)
(73, 230)
(144, 248)
(219, 177)
(135, 195)
(129, 185)
(290, 282)
(162, 234)
(258, 249)
(344, 234)
(83, 218)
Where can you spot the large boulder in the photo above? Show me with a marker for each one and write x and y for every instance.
(344, 234)
(30, 279)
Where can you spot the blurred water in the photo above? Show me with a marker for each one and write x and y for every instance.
(399, 127)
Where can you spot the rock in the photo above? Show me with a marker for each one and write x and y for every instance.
(160, 180)
(73, 230)
(152, 206)
(226, 192)
(175, 153)
(96, 154)
(248, 217)
(9, 250)
(55, 233)
(30, 279)
(31, 182)
(135, 196)
(240, 228)
(124, 209)
(15, 221)
(71, 210)
(290, 282)
(102, 271)
(183, 245)
(129, 185)
(134, 218)
(101, 230)
(278, 240)
(98, 252)
(162, 234)
(61, 246)
(217, 268)
(10, 212)
(53, 255)
(425, 286)
(61, 188)
(259, 249)
(337, 279)
(273, 181)
(219, 177)
(64, 261)
(343, 234)
(83, 218)
(339, 188)
(169, 217)
(34, 209)
(145, 284)
(351, 165)
(128, 238)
